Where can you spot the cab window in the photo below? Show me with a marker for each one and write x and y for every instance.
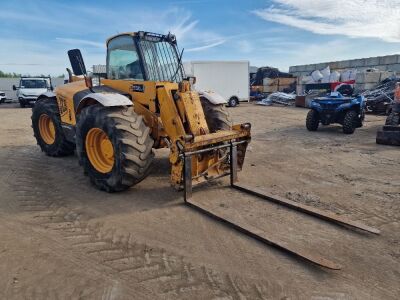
(123, 59)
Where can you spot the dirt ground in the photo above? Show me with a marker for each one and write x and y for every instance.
(63, 239)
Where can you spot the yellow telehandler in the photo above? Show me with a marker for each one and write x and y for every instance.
(146, 102)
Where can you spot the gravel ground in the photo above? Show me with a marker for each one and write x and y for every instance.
(62, 239)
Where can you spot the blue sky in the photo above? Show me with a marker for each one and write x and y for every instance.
(35, 35)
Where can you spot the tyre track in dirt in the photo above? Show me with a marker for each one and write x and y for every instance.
(168, 275)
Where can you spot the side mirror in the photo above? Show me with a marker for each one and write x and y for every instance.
(14, 87)
(76, 60)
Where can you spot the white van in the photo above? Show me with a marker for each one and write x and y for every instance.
(30, 88)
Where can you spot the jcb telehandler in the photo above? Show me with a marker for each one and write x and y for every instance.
(114, 138)
(147, 102)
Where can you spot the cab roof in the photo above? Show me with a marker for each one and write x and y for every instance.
(170, 37)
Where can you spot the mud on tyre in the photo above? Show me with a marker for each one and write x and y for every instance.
(127, 154)
(217, 116)
(47, 130)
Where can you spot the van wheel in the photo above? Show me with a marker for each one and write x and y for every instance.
(233, 101)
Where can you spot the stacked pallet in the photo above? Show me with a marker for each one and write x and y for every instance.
(272, 85)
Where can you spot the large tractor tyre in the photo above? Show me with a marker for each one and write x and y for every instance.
(217, 116)
(312, 120)
(46, 124)
(114, 147)
(350, 122)
(393, 119)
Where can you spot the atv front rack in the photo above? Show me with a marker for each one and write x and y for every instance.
(252, 231)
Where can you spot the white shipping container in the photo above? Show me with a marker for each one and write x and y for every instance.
(230, 79)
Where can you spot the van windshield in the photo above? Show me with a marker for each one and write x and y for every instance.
(33, 84)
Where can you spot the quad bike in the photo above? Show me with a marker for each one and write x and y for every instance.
(347, 111)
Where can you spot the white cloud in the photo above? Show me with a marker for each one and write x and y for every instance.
(245, 46)
(208, 46)
(77, 42)
(356, 18)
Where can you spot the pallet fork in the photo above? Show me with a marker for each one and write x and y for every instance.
(250, 230)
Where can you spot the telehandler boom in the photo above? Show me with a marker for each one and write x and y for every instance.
(147, 102)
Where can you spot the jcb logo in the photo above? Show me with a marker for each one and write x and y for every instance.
(62, 104)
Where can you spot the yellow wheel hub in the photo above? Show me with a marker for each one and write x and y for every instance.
(99, 150)
(47, 129)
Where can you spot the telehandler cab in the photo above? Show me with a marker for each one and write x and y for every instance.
(147, 102)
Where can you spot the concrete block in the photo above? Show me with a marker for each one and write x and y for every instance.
(297, 69)
(357, 63)
(381, 67)
(344, 64)
(310, 68)
(372, 61)
(362, 69)
(360, 87)
(368, 77)
(386, 74)
(334, 65)
(388, 60)
(394, 67)
(296, 74)
(321, 66)
(302, 68)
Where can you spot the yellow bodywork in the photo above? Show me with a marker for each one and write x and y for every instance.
(176, 118)
(65, 94)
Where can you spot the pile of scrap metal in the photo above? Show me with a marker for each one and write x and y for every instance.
(278, 98)
(390, 133)
(380, 99)
(268, 72)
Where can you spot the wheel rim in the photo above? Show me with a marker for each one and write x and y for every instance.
(47, 129)
(99, 150)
